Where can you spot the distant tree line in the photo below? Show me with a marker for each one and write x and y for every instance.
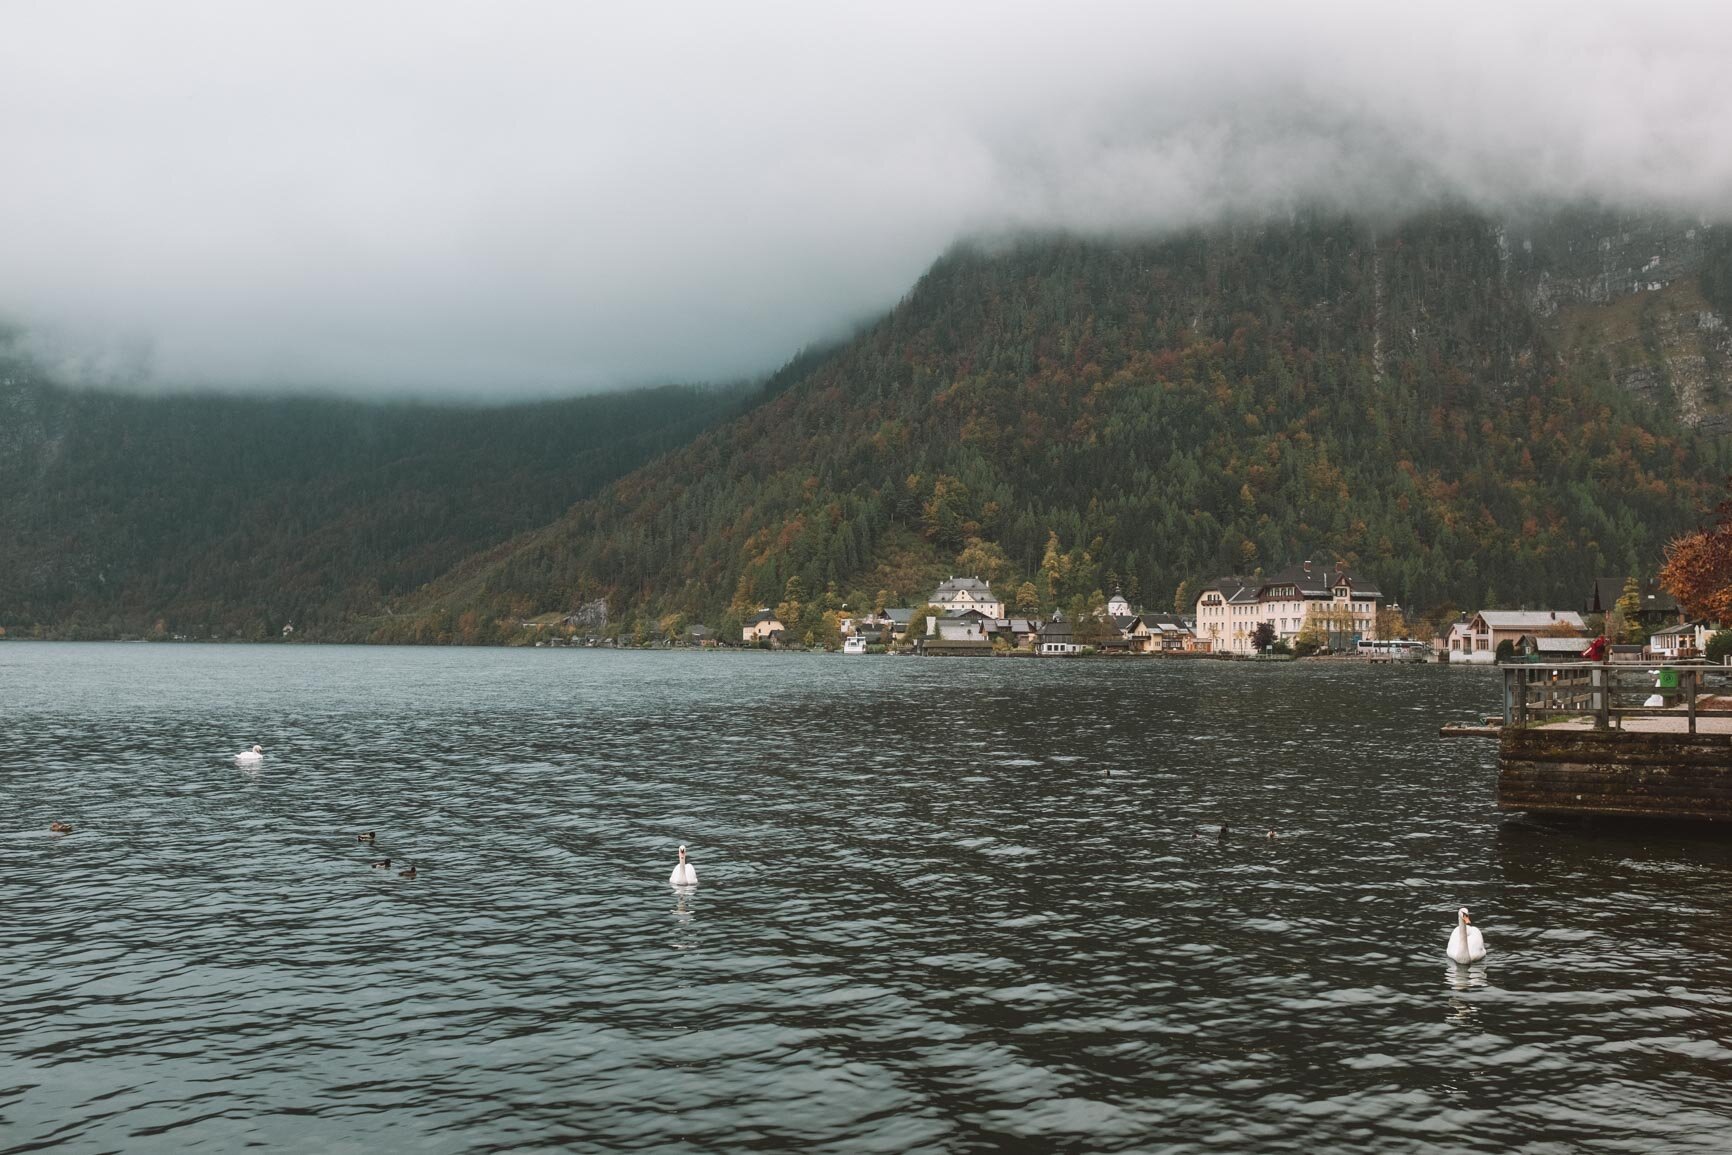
(222, 516)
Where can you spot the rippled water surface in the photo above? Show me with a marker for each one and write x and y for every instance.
(928, 916)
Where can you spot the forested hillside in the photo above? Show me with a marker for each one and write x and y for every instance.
(1468, 411)
(207, 515)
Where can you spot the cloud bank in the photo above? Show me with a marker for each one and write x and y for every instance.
(516, 199)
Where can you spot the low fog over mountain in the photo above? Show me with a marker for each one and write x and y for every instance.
(444, 199)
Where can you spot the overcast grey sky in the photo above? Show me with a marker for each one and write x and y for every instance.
(525, 198)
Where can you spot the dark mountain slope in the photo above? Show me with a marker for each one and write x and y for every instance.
(1074, 414)
(219, 515)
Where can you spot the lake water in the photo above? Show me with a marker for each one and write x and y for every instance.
(927, 919)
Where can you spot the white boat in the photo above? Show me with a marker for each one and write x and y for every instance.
(854, 645)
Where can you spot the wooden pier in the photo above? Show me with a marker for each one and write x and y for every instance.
(1580, 738)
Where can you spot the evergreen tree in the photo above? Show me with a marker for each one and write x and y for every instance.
(1627, 614)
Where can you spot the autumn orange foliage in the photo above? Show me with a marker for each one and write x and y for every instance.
(1698, 569)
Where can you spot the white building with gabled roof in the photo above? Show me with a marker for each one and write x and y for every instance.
(1478, 641)
(762, 626)
(959, 595)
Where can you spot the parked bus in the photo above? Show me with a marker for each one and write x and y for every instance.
(1393, 649)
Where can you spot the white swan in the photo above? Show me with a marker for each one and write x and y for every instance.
(251, 757)
(1466, 944)
(683, 874)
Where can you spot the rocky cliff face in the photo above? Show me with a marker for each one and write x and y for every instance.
(1580, 258)
(1676, 353)
(1624, 297)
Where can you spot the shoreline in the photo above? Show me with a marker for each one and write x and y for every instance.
(1267, 660)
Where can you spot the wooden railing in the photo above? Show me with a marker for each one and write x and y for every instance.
(1607, 693)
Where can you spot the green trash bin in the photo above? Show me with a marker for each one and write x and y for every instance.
(1666, 685)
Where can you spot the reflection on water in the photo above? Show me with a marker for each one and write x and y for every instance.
(1467, 978)
(683, 917)
(930, 918)
(1462, 980)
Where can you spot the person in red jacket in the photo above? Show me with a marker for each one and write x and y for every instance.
(1596, 651)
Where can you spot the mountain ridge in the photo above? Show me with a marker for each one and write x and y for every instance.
(1010, 374)
(1472, 409)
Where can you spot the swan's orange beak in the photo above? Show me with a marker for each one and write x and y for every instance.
(1466, 919)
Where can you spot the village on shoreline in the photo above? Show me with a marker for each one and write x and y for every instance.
(1304, 611)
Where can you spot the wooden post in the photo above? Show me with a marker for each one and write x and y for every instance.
(1602, 698)
(1521, 695)
(1690, 697)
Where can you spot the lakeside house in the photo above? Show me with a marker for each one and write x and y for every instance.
(1130, 633)
(968, 626)
(1477, 638)
(959, 636)
(886, 625)
(1340, 608)
(1147, 633)
(959, 595)
(1167, 634)
(971, 627)
(763, 627)
(1057, 637)
(1684, 640)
